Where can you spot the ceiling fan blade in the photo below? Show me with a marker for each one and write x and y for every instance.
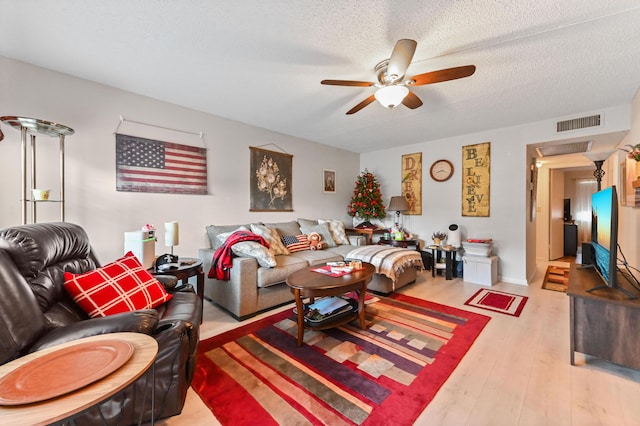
(412, 101)
(441, 75)
(347, 83)
(361, 105)
(401, 58)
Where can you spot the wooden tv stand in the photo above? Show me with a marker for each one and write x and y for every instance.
(604, 323)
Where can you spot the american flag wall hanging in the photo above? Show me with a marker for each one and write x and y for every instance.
(146, 165)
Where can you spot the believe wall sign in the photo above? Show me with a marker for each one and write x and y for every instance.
(476, 179)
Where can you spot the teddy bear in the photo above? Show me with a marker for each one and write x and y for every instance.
(315, 241)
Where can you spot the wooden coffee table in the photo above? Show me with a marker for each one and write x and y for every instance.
(307, 283)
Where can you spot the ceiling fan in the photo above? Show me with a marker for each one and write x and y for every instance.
(393, 88)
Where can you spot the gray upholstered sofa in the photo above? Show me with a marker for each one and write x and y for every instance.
(253, 288)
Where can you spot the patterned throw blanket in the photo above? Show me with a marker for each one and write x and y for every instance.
(223, 257)
(389, 261)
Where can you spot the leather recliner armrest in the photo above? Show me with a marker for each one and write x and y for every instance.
(143, 321)
(168, 281)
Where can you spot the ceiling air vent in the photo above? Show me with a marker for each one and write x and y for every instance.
(567, 148)
(578, 123)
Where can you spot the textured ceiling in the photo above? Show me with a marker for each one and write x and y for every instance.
(261, 62)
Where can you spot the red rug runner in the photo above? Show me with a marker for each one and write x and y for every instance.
(387, 374)
(498, 301)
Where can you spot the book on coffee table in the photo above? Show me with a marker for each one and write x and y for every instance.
(328, 309)
(333, 271)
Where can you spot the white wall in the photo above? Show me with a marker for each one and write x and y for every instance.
(509, 226)
(628, 237)
(93, 110)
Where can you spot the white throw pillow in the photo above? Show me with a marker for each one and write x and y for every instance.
(271, 236)
(323, 230)
(336, 227)
(223, 237)
(256, 250)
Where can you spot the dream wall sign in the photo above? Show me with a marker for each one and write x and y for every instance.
(412, 182)
(476, 179)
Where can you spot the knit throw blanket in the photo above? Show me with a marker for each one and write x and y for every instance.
(388, 261)
(223, 257)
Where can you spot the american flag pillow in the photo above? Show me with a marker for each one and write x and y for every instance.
(121, 286)
(296, 242)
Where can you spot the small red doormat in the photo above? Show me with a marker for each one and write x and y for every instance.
(498, 301)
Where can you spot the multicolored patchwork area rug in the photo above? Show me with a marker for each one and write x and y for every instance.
(386, 374)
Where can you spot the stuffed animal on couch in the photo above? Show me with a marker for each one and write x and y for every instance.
(315, 241)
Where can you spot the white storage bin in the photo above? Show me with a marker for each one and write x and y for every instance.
(481, 270)
(477, 249)
(143, 246)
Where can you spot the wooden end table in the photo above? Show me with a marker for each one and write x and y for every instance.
(69, 405)
(189, 267)
(366, 231)
(307, 283)
(399, 243)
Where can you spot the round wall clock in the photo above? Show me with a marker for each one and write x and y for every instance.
(441, 170)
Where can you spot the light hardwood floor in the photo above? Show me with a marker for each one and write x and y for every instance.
(516, 373)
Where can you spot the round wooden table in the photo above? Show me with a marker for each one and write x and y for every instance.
(399, 243)
(72, 403)
(189, 267)
(307, 283)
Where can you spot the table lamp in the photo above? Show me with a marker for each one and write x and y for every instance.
(399, 204)
(171, 234)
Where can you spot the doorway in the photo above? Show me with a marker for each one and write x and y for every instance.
(559, 235)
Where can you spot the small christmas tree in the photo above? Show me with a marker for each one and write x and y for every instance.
(366, 202)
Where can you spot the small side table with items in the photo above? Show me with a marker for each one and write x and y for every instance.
(188, 267)
(414, 244)
(449, 260)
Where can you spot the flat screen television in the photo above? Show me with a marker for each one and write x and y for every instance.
(604, 237)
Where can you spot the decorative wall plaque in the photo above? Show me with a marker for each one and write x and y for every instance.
(412, 182)
(270, 178)
(476, 179)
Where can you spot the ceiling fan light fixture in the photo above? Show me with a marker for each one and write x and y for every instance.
(391, 96)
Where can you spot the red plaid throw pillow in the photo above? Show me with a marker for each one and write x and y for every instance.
(296, 243)
(121, 286)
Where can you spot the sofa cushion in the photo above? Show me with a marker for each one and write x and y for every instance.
(296, 243)
(271, 236)
(223, 236)
(323, 230)
(342, 250)
(336, 227)
(253, 249)
(286, 265)
(315, 257)
(121, 286)
(285, 228)
(307, 222)
(214, 230)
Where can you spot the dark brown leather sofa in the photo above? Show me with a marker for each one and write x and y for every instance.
(36, 312)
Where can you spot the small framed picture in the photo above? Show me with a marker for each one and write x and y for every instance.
(329, 180)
